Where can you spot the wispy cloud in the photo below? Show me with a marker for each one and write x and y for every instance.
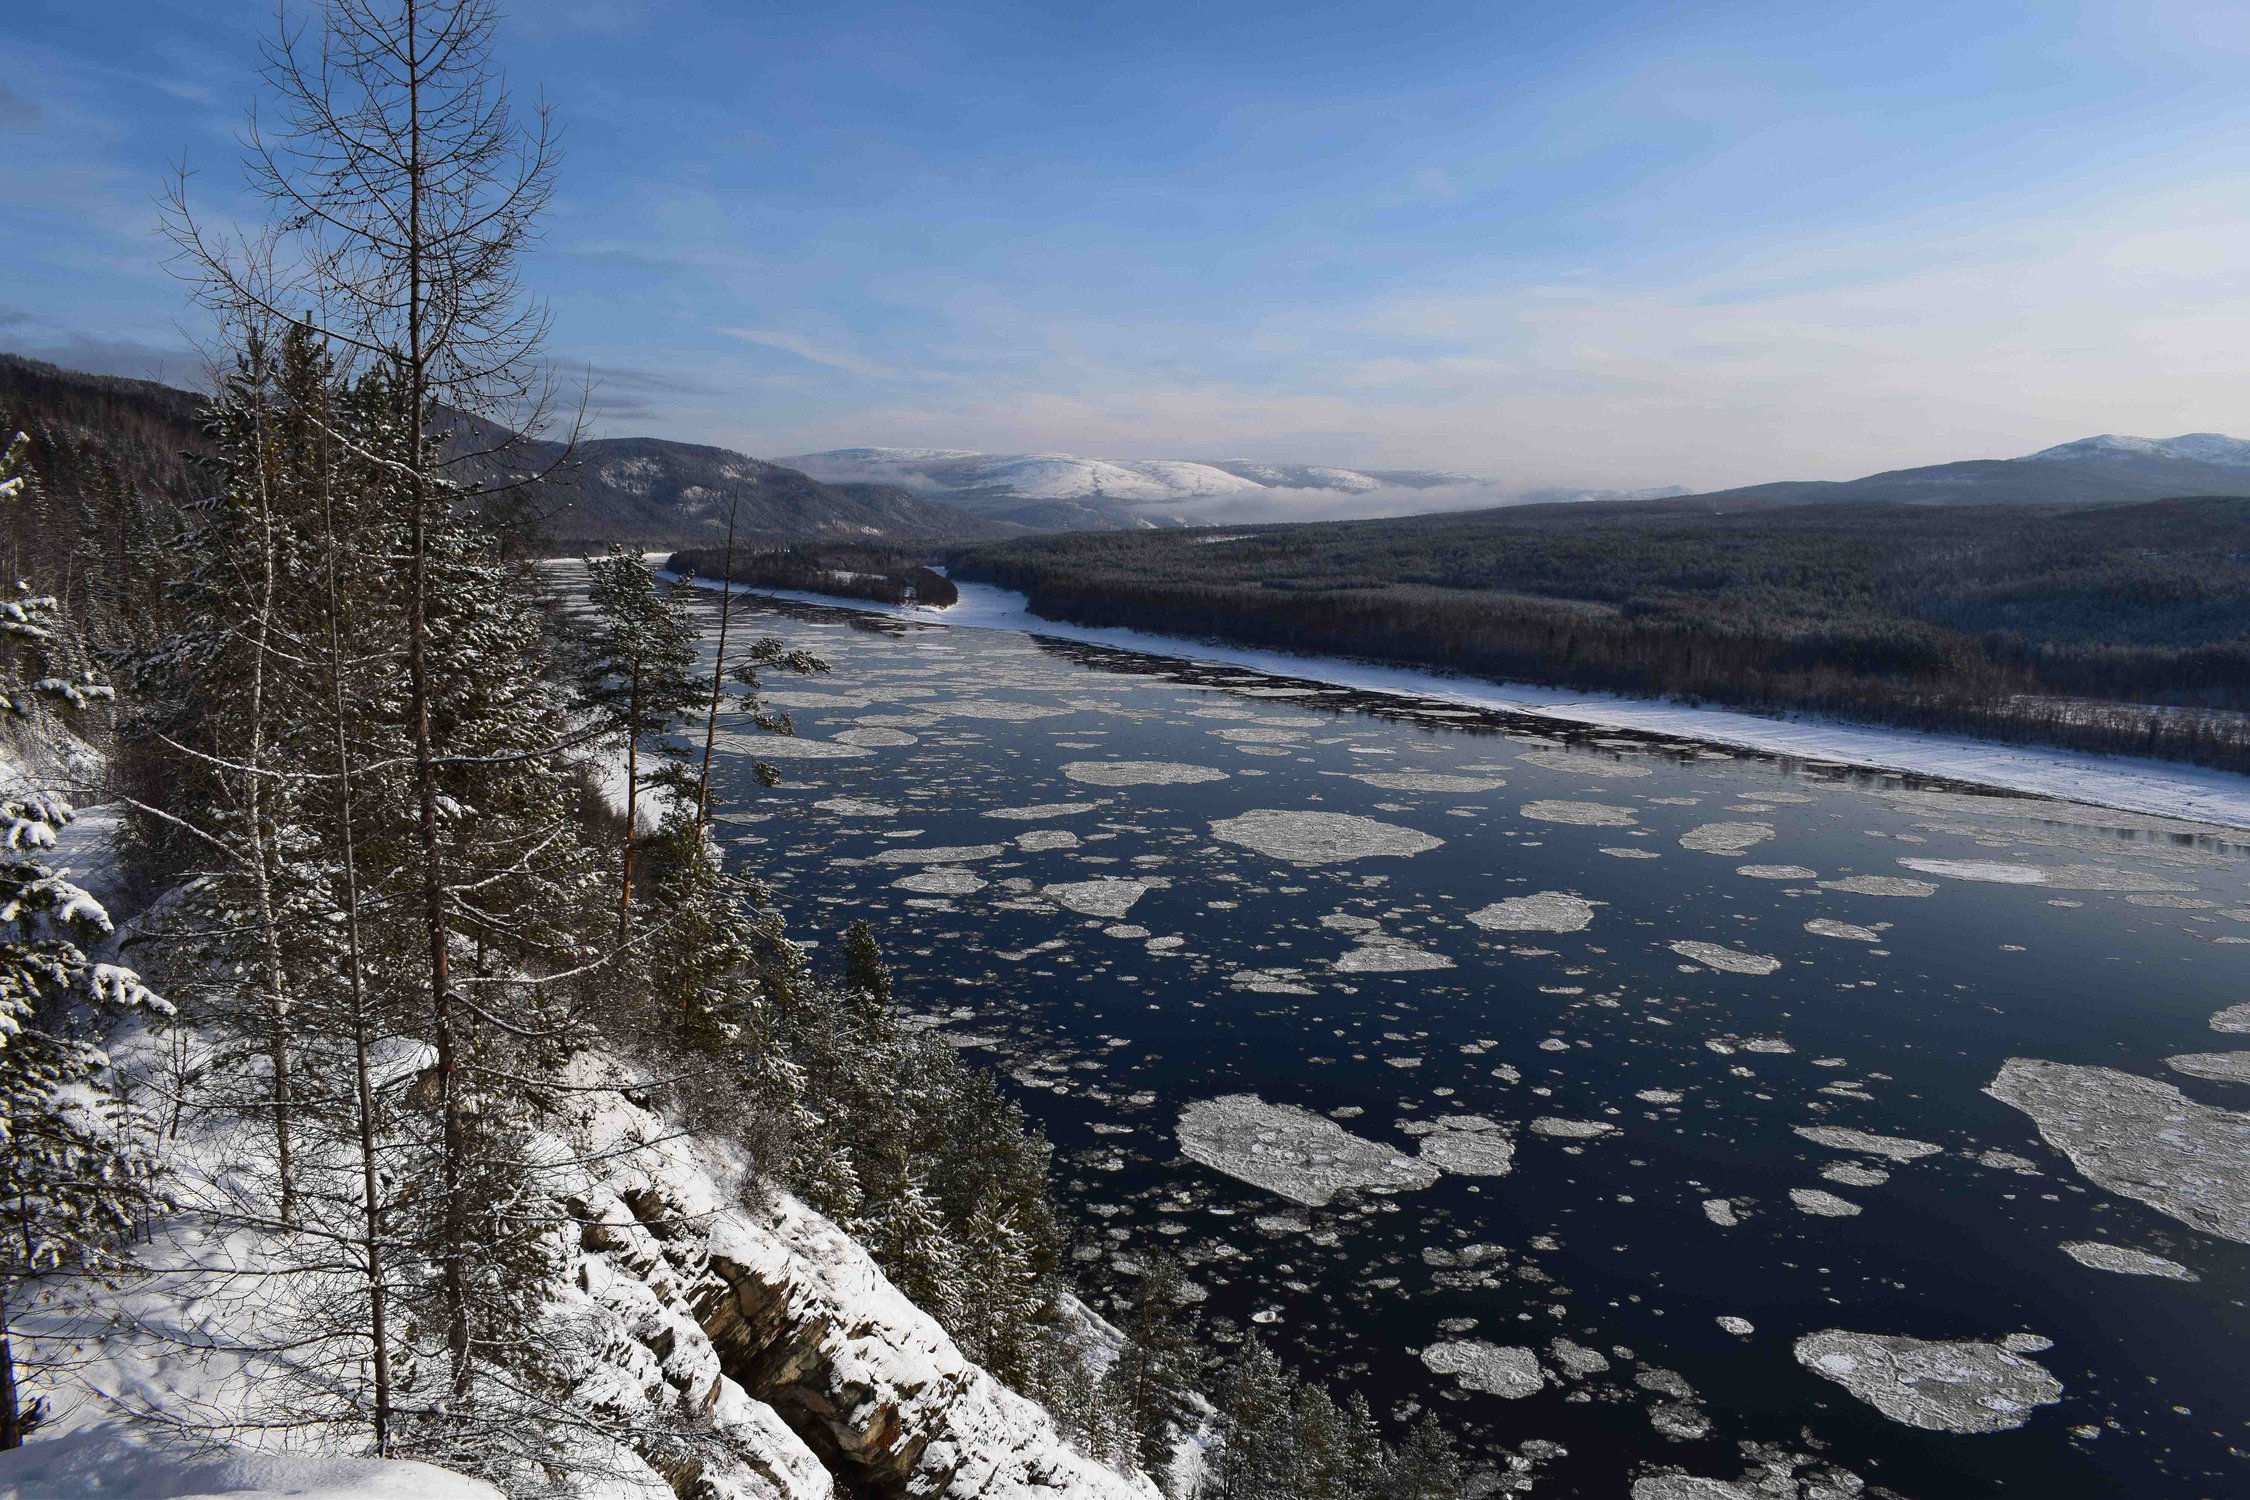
(813, 350)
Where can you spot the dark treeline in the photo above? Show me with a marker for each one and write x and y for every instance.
(2115, 628)
(883, 574)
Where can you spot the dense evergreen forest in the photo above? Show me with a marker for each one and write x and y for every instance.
(883, 574)
(2119, 628)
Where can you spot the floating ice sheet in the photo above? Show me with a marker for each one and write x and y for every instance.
(1891, 1147)
(1389, 955)
(1428, 781)
(1601, 767)
(1140, 773)
(2219, 1067)
(941, 880)
(1293, 1152)
(1940, 1386)
(1829, 927)
(1879, 885)
(857, 807)
(1729, 960)
(2141, 1138)
(1317, 838)
(1726, 838)
(1041, 810)
(1495, 1369)
(1548, 911)
(1108, 897)
(1469, 1146)
(1583, 814)
(940, 854)
(1822, 1204)
(2101, 1255)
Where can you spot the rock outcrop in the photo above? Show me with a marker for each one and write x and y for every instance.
(772, 1360)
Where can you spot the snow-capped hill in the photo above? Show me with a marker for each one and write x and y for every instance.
(2194, 447)
(1299, 476)
(1067, 491)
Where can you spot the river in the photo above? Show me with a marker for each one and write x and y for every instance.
(1634, 1104)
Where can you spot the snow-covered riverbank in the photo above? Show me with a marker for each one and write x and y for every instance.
(2163, 788)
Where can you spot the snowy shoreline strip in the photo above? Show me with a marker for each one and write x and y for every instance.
(2130, 785)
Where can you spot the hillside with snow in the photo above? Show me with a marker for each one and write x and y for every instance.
(1067, 492)
(2108, 469)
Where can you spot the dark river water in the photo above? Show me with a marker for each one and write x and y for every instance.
(1148, 941)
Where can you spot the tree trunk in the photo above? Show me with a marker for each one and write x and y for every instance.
(454, 1144)
(371, 1200)
(632, 803)
(11, 1405)
(718, 673)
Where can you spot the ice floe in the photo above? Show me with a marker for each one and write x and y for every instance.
(1041, 810)
(1829, 927)
(1301, 1156)
(790, 747)
(1598, 766)
(941, 880)
(876, 739)
(1777, 872)
(1741, 1328)
(2141, 1138)
(1495, 1369)
(2219, 1067)
(2101, 1255)
(940, 854)
(1940, 1386)
(1897, 1148)
(1040, 840)
(1729, 960)
(1988, 871)
(1583, 814)
(1548, 911)
(1140, 773)
(1428, 781)
(2056, 877)
(2235, 1018)
(1726, 838)
(1109, 896)
(1001, 710)
(1557, 1128)
(1880, 885)
(856, 807)
(1377, 954)
(1822, 1204)
(1469, 1146)
(1316, 838)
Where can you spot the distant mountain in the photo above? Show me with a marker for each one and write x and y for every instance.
(655, 490)
(645, 490)
(2108, 469)
(1065, 492)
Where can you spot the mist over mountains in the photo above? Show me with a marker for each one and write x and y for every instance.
(1068, 492)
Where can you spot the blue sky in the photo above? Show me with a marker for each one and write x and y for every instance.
(1592, 244)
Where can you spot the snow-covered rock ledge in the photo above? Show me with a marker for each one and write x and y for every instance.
(778, 1323)
(722, 1345)
(2164, 788)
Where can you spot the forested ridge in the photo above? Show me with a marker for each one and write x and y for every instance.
(2120, 628)
(883, 574)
